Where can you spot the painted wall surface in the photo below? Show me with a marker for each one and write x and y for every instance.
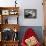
(32, 4)
(27, 4)
(7, 3)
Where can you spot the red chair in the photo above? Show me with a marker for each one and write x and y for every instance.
(29, 33)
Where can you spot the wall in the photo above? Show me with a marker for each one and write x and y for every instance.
(7, 3)
(32, 4)
(27, 4)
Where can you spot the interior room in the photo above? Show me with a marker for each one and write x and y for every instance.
(22, 23)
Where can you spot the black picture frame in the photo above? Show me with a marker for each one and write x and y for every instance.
(30, 13)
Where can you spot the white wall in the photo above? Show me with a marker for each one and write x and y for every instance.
(7, 3)
(32, 4)
(27, 4)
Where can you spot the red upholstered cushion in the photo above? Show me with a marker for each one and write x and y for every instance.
(29, 33)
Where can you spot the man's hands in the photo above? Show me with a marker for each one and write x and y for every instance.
(32, 41)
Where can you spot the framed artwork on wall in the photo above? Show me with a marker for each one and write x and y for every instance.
(30, 13)
(5, 12)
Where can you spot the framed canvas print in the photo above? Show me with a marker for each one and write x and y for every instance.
(30, 13)
(5, 12)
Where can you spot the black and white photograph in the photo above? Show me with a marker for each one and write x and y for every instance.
(30, 13)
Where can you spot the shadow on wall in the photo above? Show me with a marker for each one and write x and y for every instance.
(37, 29)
